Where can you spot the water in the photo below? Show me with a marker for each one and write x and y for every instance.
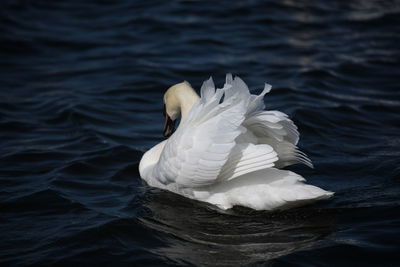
(81, 85)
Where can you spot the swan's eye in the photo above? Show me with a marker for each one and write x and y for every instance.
(164, 111)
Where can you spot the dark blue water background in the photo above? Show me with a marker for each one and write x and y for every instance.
(81, 85)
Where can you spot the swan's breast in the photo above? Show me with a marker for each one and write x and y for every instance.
(150, 159)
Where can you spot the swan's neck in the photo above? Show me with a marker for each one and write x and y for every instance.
(180, 98)
(187, 102)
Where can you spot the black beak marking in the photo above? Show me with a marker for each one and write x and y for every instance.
(169, 125)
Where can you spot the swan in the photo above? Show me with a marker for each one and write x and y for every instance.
(228, 150)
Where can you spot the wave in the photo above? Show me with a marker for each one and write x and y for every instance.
(81, 101)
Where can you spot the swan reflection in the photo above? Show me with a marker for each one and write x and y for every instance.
(199, 234)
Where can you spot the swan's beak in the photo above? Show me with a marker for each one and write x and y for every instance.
(169, 125)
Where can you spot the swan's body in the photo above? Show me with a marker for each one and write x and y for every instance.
(227, 150)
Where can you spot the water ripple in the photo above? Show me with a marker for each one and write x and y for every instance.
(81, 100)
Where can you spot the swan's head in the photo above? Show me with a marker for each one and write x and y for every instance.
(178, 99)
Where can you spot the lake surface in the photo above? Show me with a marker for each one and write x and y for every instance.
(81, 85)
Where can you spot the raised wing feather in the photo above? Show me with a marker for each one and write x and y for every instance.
(205, 146)
(246, 158)
(276, 129)
(196, 152)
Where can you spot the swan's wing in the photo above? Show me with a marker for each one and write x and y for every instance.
(274, 124)
(272, 127)
(204, 148)
(194, 155)
(276, 129)
(246, 158)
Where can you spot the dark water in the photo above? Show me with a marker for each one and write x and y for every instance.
(81, 86)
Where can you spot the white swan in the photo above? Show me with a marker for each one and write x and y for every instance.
(227, 150)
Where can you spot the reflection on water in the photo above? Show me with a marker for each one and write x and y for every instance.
(200, 234)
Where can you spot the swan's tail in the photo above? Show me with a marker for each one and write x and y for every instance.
(267, 189)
